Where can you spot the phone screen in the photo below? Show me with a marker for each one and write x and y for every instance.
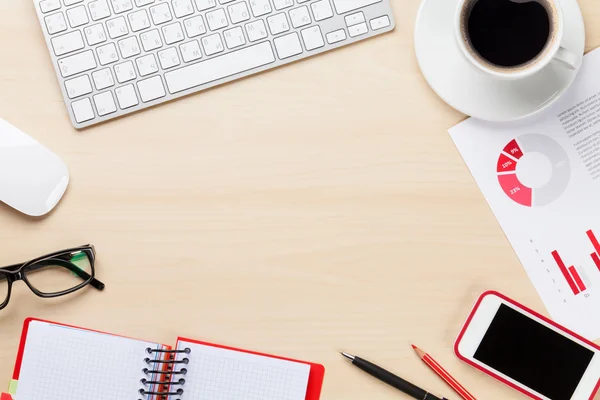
(534, 355)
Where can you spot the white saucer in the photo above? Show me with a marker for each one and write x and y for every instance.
(474, 93)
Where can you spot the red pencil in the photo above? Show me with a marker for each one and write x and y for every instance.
(438, 369)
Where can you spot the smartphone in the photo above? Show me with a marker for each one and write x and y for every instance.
(527, 351)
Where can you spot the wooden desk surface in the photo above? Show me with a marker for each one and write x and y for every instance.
(315, 208)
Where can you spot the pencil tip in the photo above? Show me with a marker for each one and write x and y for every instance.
(348, 356)
(414, 347)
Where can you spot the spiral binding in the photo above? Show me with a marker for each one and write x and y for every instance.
(165, 382)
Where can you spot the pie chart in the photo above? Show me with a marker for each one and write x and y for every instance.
(515, 152)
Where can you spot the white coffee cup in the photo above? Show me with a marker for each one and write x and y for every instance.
(553, 52)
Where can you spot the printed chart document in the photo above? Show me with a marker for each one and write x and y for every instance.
(541, 177)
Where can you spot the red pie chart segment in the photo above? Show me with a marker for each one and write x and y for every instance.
(514, 189)
(505, 164)
(513, 149)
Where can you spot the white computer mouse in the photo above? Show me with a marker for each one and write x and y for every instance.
(32, 178)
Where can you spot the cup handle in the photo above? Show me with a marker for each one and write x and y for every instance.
(567, 58)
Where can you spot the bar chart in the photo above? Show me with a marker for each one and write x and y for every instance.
(570, 274)
(596, 254)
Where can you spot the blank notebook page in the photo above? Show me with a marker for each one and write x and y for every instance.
(221, 374)
(61, 363)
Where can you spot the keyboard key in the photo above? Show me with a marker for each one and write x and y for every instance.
(77, 16)
(190, 51)
(151, 40)
(117, 27)
(256, 30)
(82, 110)
(129, 47)
(120, 6)
(343, 6)
(216, 19)
(56, 23)
(212, 44)
(281, 4)
(278, 23)
(300, 17)
(260, 7)
(336, 36)
(313, 38)
(288, 45)
(103, 78)
(77, 63)
(107, 54)
(173, 33)
(194, 26)
(220, 67)
(147, 64)
(238, 12)
(354, 19)
(225, 1)
(151, 89)
(125, 72)
(380, 23)
(322, 9)
(95, 34)
(105, 103)
(161, 13)
(99, 9)
(71, 2)
(50, 5)
(168, 58)
(139, 20)
(182, 8)
(67, 43)
(142, 3)
(78, 86)
(205, 4)
(126, 97)
(234, 37)
(358, 30)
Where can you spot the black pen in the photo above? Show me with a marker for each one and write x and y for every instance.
(391, 379)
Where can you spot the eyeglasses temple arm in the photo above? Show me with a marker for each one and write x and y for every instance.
(71, 267)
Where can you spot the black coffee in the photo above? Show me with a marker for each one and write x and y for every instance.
(508, 34)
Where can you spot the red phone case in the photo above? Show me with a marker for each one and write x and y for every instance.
(530, 311)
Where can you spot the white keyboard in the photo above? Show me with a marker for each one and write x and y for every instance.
(115, 57)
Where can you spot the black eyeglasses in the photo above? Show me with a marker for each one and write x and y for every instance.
(52, 275)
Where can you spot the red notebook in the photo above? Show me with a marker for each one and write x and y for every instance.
(62, 362)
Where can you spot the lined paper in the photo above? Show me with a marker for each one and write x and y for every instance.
(61, 363)
(220, 374)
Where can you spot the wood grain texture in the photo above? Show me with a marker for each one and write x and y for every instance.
(315, 208)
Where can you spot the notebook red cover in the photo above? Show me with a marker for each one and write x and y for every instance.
(315, 381)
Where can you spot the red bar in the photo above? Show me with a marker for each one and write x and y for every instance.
(577, 278)
(592, 237)
(566, 274)
(596, 259)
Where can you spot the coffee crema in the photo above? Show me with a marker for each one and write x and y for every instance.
(509, 35)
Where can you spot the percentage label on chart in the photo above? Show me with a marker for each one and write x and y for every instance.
(507, 164)
(515, 190)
